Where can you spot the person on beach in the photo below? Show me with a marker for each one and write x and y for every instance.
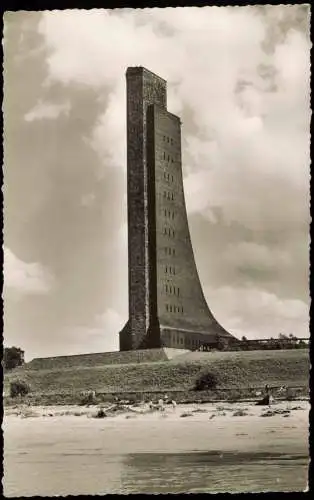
(161, 405)
(174, 404)
(267, 399)
(268, 395)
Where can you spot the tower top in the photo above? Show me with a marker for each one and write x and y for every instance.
(138, 70)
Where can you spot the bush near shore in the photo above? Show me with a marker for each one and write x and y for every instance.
(240, 374)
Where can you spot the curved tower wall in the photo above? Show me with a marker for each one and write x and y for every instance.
(167, 306)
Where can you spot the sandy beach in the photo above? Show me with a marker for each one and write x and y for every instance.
(225, 426)
(39, 440)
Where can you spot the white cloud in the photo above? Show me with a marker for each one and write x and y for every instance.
(257, 313)
(46, 110)
(103, 336)
(112, 126)
(25, 278)
(254, 256)
(245, 113)
(110, 323)
(248, 144)
(88, 199)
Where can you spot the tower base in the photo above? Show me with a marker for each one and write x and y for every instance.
(176, 338)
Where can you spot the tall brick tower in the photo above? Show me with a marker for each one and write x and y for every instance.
(167, 306)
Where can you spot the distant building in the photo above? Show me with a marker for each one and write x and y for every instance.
(167, 307)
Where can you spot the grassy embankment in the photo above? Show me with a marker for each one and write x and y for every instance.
(239, 374)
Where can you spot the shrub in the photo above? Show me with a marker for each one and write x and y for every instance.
(19, 388)
(88, 398)
(12, 357)
(100, 413)
(240, 413)
(206, 381)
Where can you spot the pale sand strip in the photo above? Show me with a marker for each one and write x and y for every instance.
(213, 428)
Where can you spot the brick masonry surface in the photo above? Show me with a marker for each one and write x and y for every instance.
(167, 306)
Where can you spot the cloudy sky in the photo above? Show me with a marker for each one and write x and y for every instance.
(239, 78)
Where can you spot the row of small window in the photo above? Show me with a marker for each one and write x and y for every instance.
(169, 213)
(193, 342)
(169, 232)
(168, 195)
(170, 251)
(176, 339)
(168, 139)
(168, 177)
(175, 290)
(167, 158)
(170, 270)
(171, 308)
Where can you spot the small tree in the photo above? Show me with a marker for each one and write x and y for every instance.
(19, 388)
(12, 357)
(282, 336)
(206, 381)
